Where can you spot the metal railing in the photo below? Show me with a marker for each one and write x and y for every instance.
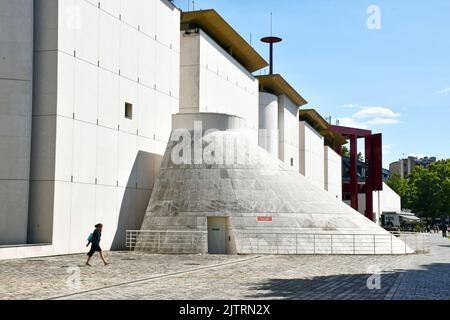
(191, 242)
(331, 244)
(166, 241)
(419, 242)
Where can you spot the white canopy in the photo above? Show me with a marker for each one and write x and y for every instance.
(409, 216)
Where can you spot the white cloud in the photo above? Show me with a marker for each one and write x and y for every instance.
(383, 121)
(352, 123)
(366, 117)
(444, 92)
(417, 155)
(375, 112)
(350, 105)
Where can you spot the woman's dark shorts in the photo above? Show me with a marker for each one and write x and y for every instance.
(94, 249)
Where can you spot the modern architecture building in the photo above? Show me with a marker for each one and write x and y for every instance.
(97, 81)
(404, 167)
(94, 94)
(385, 200)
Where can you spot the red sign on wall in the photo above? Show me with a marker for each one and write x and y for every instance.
(265, 219)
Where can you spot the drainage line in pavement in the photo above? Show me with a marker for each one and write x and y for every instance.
(157, 277)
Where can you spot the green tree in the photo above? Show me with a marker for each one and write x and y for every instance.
(425, 191)
(400, 186)
(429, 192)
(346, 153)
(442, 170)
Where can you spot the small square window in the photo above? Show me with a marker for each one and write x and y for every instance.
(128, 110)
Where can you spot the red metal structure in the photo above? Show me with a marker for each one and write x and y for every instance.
(373, 163)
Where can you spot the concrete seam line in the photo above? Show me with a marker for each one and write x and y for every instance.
(157, 277)
(395, 286)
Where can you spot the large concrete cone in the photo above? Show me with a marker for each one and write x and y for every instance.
(266, 207)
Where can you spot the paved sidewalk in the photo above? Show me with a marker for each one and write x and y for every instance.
(140, 276)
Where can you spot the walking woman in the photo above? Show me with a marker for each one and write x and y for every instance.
(95, 247)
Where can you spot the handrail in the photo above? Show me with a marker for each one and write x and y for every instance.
(253, 242)
(331, 243)
(165, 241)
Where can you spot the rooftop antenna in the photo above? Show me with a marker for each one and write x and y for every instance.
(193, 5)
(271, 24)
(251, 38)
(189, 5)
(271, 40)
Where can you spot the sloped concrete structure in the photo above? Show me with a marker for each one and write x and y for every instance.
(268, 207)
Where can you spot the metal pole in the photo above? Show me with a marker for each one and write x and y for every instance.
(257, 244)
(354, 171)
(128, 241)
(159, 241)
(354, 248)
(276, 244)
(271, 59)
(331, 244)
(392, 246)
(314, 241)
(374, 245)
(405, 244)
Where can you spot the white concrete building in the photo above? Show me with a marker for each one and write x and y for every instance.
(216, 69)
(319, 162)
(88, 92)
(383, 201)
(16, 91)
(333, 172)
(386, 201)
(106, 82)
(275, 92)
(312, 154)
(259, 206)
(268, 123)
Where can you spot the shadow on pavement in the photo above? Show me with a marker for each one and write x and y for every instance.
(432, 282)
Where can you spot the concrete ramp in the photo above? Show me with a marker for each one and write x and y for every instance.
(249, 198)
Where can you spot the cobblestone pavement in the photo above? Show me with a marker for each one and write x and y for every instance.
(139, 276)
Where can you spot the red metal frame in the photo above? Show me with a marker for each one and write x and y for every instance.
(373, 158)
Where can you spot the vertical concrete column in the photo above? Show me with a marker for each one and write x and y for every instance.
(268, 123)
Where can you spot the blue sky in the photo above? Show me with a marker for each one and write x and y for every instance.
(394, 80)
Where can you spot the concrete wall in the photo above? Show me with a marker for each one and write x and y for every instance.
(333, 172)
(268, 123)
(383, 201)
(16, 78)
(90, 163)
(213, 81)
(312, 156)
(386, 201)
(186, 195)
(288, 135)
